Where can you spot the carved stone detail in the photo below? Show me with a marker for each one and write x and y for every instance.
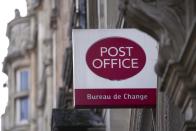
(20, 40)
(18, 32)
(47, 52)
(173, 24)
(161, 19)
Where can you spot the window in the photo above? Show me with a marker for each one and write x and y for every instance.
(22, 80)
(80, 12)
(22, 95)
(22, 108)
(35, 3)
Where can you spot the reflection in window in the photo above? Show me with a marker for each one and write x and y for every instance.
(24, 108)
(82, 13)
(24, 78)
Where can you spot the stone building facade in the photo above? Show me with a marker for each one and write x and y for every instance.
(34, 64)
(20, 67)
(39, 65)
(172, 24)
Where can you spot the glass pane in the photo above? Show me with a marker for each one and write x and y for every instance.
(82, 6)
(34, 1)
(24, 108)
(24, 78)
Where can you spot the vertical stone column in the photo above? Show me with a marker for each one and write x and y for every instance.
(33, 96)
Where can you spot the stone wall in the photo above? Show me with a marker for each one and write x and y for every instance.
(172, 24)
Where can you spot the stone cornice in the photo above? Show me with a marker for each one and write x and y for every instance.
(17, 21)
(15, 56)
(69, 119)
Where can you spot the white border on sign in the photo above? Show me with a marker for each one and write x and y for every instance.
(84, 78)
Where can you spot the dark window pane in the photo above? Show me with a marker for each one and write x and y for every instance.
(24, 108)
(24, 79)
(82, 15)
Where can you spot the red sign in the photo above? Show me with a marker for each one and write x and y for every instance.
(87, 98)
(115, 58)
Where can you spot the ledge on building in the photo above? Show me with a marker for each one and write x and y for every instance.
(75, 119)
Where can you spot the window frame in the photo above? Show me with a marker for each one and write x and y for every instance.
(18, 80)
(18, 101)
(21, 93)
